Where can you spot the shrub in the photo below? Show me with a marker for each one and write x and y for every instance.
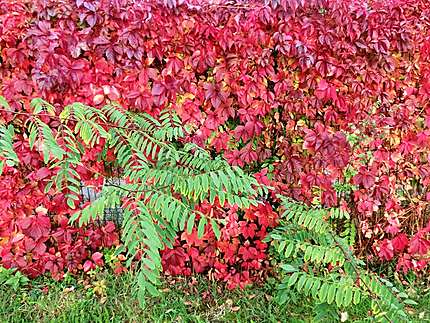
(163, 179)
(330, 96)
(167, 186)
(318, 263)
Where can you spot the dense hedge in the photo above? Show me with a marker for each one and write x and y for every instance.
(328, 99)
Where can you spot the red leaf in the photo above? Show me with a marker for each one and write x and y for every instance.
(158, 89)
(400, 242)
(404, 263)
(419, 245)
(386, 250)
(88, 265)
(42, 173)
(97, 257)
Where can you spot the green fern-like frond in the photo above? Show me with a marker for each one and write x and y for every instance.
(319, 263)
(8, 155)
(165, 177)
(39, 105)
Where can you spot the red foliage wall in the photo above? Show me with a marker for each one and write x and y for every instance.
(332, 97)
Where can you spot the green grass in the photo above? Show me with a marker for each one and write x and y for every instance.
(103, 297)
(107, 298)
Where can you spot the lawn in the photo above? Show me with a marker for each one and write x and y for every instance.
(103, 297)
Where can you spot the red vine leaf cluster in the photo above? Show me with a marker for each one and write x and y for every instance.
(326, 94)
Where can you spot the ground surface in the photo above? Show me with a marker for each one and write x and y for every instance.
(107, 298)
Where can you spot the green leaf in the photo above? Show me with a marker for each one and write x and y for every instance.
(323, 292)
(293, 279)
(74, 217)
(153, 291)
(301, 282)
(70, 203)
(331, 294)
(340, 296)
(288, 268)
(348, 296)
(4, 103)
(289, 250)
(201, 227)
(190, 222)
(216, 181)
(357, 296)
(410, 302)
(281, 246)
(403, 295)
(222, 198)
(215, 228)
(150, 275)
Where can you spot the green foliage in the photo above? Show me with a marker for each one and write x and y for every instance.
(12, 278)
(7, 154)
(101, 296)
(107, 298)
(318, 263)
(164, 176)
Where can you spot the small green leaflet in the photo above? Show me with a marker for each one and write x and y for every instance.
(201, 228)
(215, 228)
(190, 222)
(4, 103)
